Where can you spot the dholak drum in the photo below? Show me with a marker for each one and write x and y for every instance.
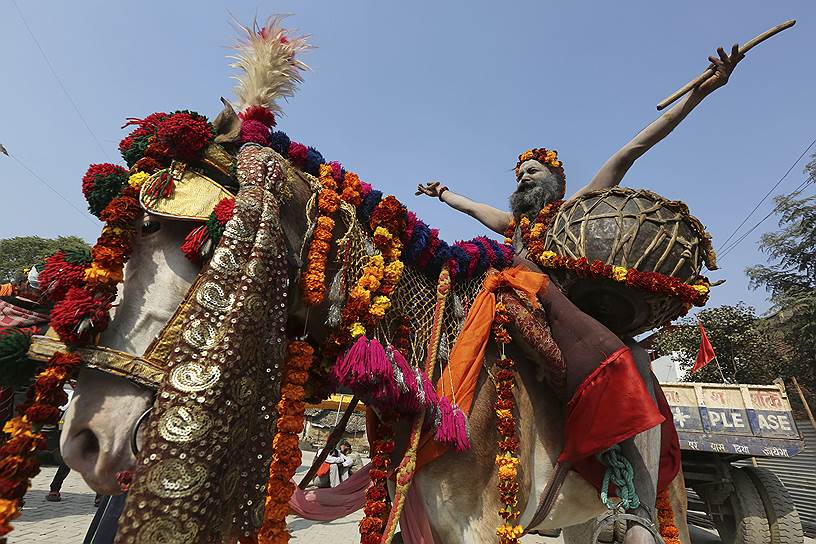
(625, 230)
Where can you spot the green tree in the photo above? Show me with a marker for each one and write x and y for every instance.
(22, 252)
(744, 353)
(790, 278)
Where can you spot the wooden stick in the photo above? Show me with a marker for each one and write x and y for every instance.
(747, 46)
(804, 401)
(331, 442)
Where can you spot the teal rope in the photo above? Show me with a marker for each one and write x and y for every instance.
(618, 471)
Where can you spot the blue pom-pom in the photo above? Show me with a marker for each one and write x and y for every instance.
(313, 161)
(279, 141)
(369, 203)
(440, 257)
(484, 261)
(462, 260)
(419, 240)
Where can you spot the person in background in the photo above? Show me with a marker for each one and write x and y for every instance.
(63, 470)
(339, 465)
(356, 460)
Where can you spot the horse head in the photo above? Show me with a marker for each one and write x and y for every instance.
(100, 423)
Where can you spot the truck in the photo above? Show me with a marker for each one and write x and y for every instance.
(722, 429)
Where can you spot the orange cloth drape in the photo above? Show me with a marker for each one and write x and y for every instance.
(465, 362)
(6, 290)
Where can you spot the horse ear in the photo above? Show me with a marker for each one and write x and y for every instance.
(227, 125)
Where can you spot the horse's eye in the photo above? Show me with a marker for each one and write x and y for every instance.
(149, 226)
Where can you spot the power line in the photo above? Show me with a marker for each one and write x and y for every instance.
(34, 174)
(752, 229)
(59, 81)
(766, 196)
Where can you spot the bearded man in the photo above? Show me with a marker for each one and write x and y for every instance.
(610, 398)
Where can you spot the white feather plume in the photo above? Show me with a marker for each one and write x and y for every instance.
(267, 58)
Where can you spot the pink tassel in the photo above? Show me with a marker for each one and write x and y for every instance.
(461, 436)
(444, 430)
(409, 399)
(385, 383)
(376, 367)
(431, 398)
(353, 359)
(452, 429)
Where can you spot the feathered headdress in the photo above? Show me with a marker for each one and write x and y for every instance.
(267, 56)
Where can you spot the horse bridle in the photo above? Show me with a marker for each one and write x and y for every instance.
(134, 446)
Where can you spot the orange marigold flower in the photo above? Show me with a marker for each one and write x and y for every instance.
(16, 426)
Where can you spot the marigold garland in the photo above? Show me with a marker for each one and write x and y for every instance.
(18, 453)
(507, 461)
(313, 281)
(376, 508)
(286, 454)
(665, 518)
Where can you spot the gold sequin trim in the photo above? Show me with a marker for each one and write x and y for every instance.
(184, 424)
(193, 377)
(175, 478)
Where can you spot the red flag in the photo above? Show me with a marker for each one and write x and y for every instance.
(706, 353)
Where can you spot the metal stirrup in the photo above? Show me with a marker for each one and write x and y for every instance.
(613, 515)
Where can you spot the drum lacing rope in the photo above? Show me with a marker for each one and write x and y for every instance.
(619, 471)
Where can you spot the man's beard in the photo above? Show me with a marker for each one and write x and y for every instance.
(530, 201)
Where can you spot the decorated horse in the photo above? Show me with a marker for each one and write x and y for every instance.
(239, 274)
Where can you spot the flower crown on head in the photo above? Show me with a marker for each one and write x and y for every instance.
(547, 157)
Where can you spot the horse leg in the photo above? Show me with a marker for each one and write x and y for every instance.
(679, 504)
(643, 452)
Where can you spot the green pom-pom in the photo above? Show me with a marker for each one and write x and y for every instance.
(136, 150)
(215, 229)
(80, 257)
(106, 188)
(15, 367)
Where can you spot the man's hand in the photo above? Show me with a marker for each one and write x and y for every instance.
(432, 188)
(723, 66)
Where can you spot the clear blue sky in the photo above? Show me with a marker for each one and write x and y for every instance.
(405, 92)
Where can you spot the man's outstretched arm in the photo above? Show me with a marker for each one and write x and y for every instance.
(613, 170)
(493, 218)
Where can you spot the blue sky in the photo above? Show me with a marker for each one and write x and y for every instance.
(411, 91)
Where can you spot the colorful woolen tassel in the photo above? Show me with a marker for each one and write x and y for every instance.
(461, 433)
(194, 242)
(409, 399)
(452, 429)
(376, 367)
(353, 359)
(444, 429)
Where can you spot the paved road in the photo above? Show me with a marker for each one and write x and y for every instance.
(66, 522)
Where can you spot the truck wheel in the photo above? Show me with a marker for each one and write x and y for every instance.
(742, 518)
(783, 519)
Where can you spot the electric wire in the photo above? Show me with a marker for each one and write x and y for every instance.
(83, 213)
(734, 244)
(59, 81)
(766, 196)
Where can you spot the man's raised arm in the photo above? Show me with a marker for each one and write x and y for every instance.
(493, 218)
(613, 170)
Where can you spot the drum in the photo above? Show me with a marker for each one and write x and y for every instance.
(629, 258)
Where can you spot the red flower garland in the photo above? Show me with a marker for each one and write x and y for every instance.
(286, 455)
(376, 508)
(18, 454)
(651, 282)
(507, 460)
